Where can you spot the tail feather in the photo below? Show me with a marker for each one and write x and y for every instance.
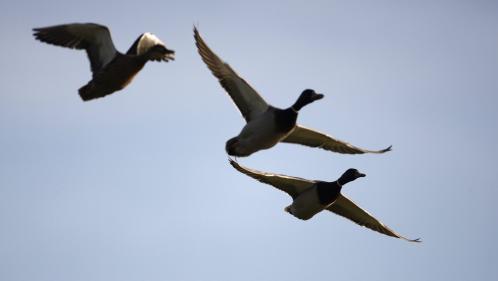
(231, 145)
(90, 92)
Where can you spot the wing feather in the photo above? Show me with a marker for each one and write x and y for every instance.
(291, 185)
(248, 101)
(309, 137)
(348, 209)
(94, 38)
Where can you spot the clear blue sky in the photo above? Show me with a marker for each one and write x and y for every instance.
(136, 186)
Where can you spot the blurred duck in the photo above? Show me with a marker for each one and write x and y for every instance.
(112, 70)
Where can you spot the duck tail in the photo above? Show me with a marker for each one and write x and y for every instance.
(86, 92)
(90, 92)
(230, 146)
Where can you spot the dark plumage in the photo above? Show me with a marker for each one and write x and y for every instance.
(328, 192)
(285, 119)
(112, 70)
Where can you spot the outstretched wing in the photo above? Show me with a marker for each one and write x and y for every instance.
(249, 102)
(308, 137)
(291, 185)
(348, 209)
(94, 38)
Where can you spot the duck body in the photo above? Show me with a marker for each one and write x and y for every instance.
(314, 200)
(262, 132)
(112, 70)
(114, 77)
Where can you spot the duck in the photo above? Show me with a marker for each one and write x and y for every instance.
(267, 125)
(112, 70)
(311, 197)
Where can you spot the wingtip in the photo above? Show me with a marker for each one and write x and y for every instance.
(197, 36)
(389, 148)
(196, 31)
(418, 240)
(195, 25)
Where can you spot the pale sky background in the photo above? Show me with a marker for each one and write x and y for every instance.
(137, 186)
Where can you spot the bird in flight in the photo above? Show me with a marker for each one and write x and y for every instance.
(112, 70)
(310, 197)
(267, 125)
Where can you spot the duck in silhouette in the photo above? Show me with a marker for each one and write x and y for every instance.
(268, 125)
(312, 196)
(112, 70)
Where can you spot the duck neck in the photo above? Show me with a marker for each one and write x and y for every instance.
(294, 110)
(328, 192)
(285, 119)
(300, 103)
(339, 184)
(342, 181)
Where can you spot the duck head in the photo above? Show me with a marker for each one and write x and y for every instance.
(160, 53)
(307, 96)
(350, 175)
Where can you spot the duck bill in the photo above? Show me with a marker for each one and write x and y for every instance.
(317, 97)
(361, 175)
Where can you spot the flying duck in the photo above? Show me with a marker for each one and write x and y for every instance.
(313, 196)
(268, 125)
(112, 70)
